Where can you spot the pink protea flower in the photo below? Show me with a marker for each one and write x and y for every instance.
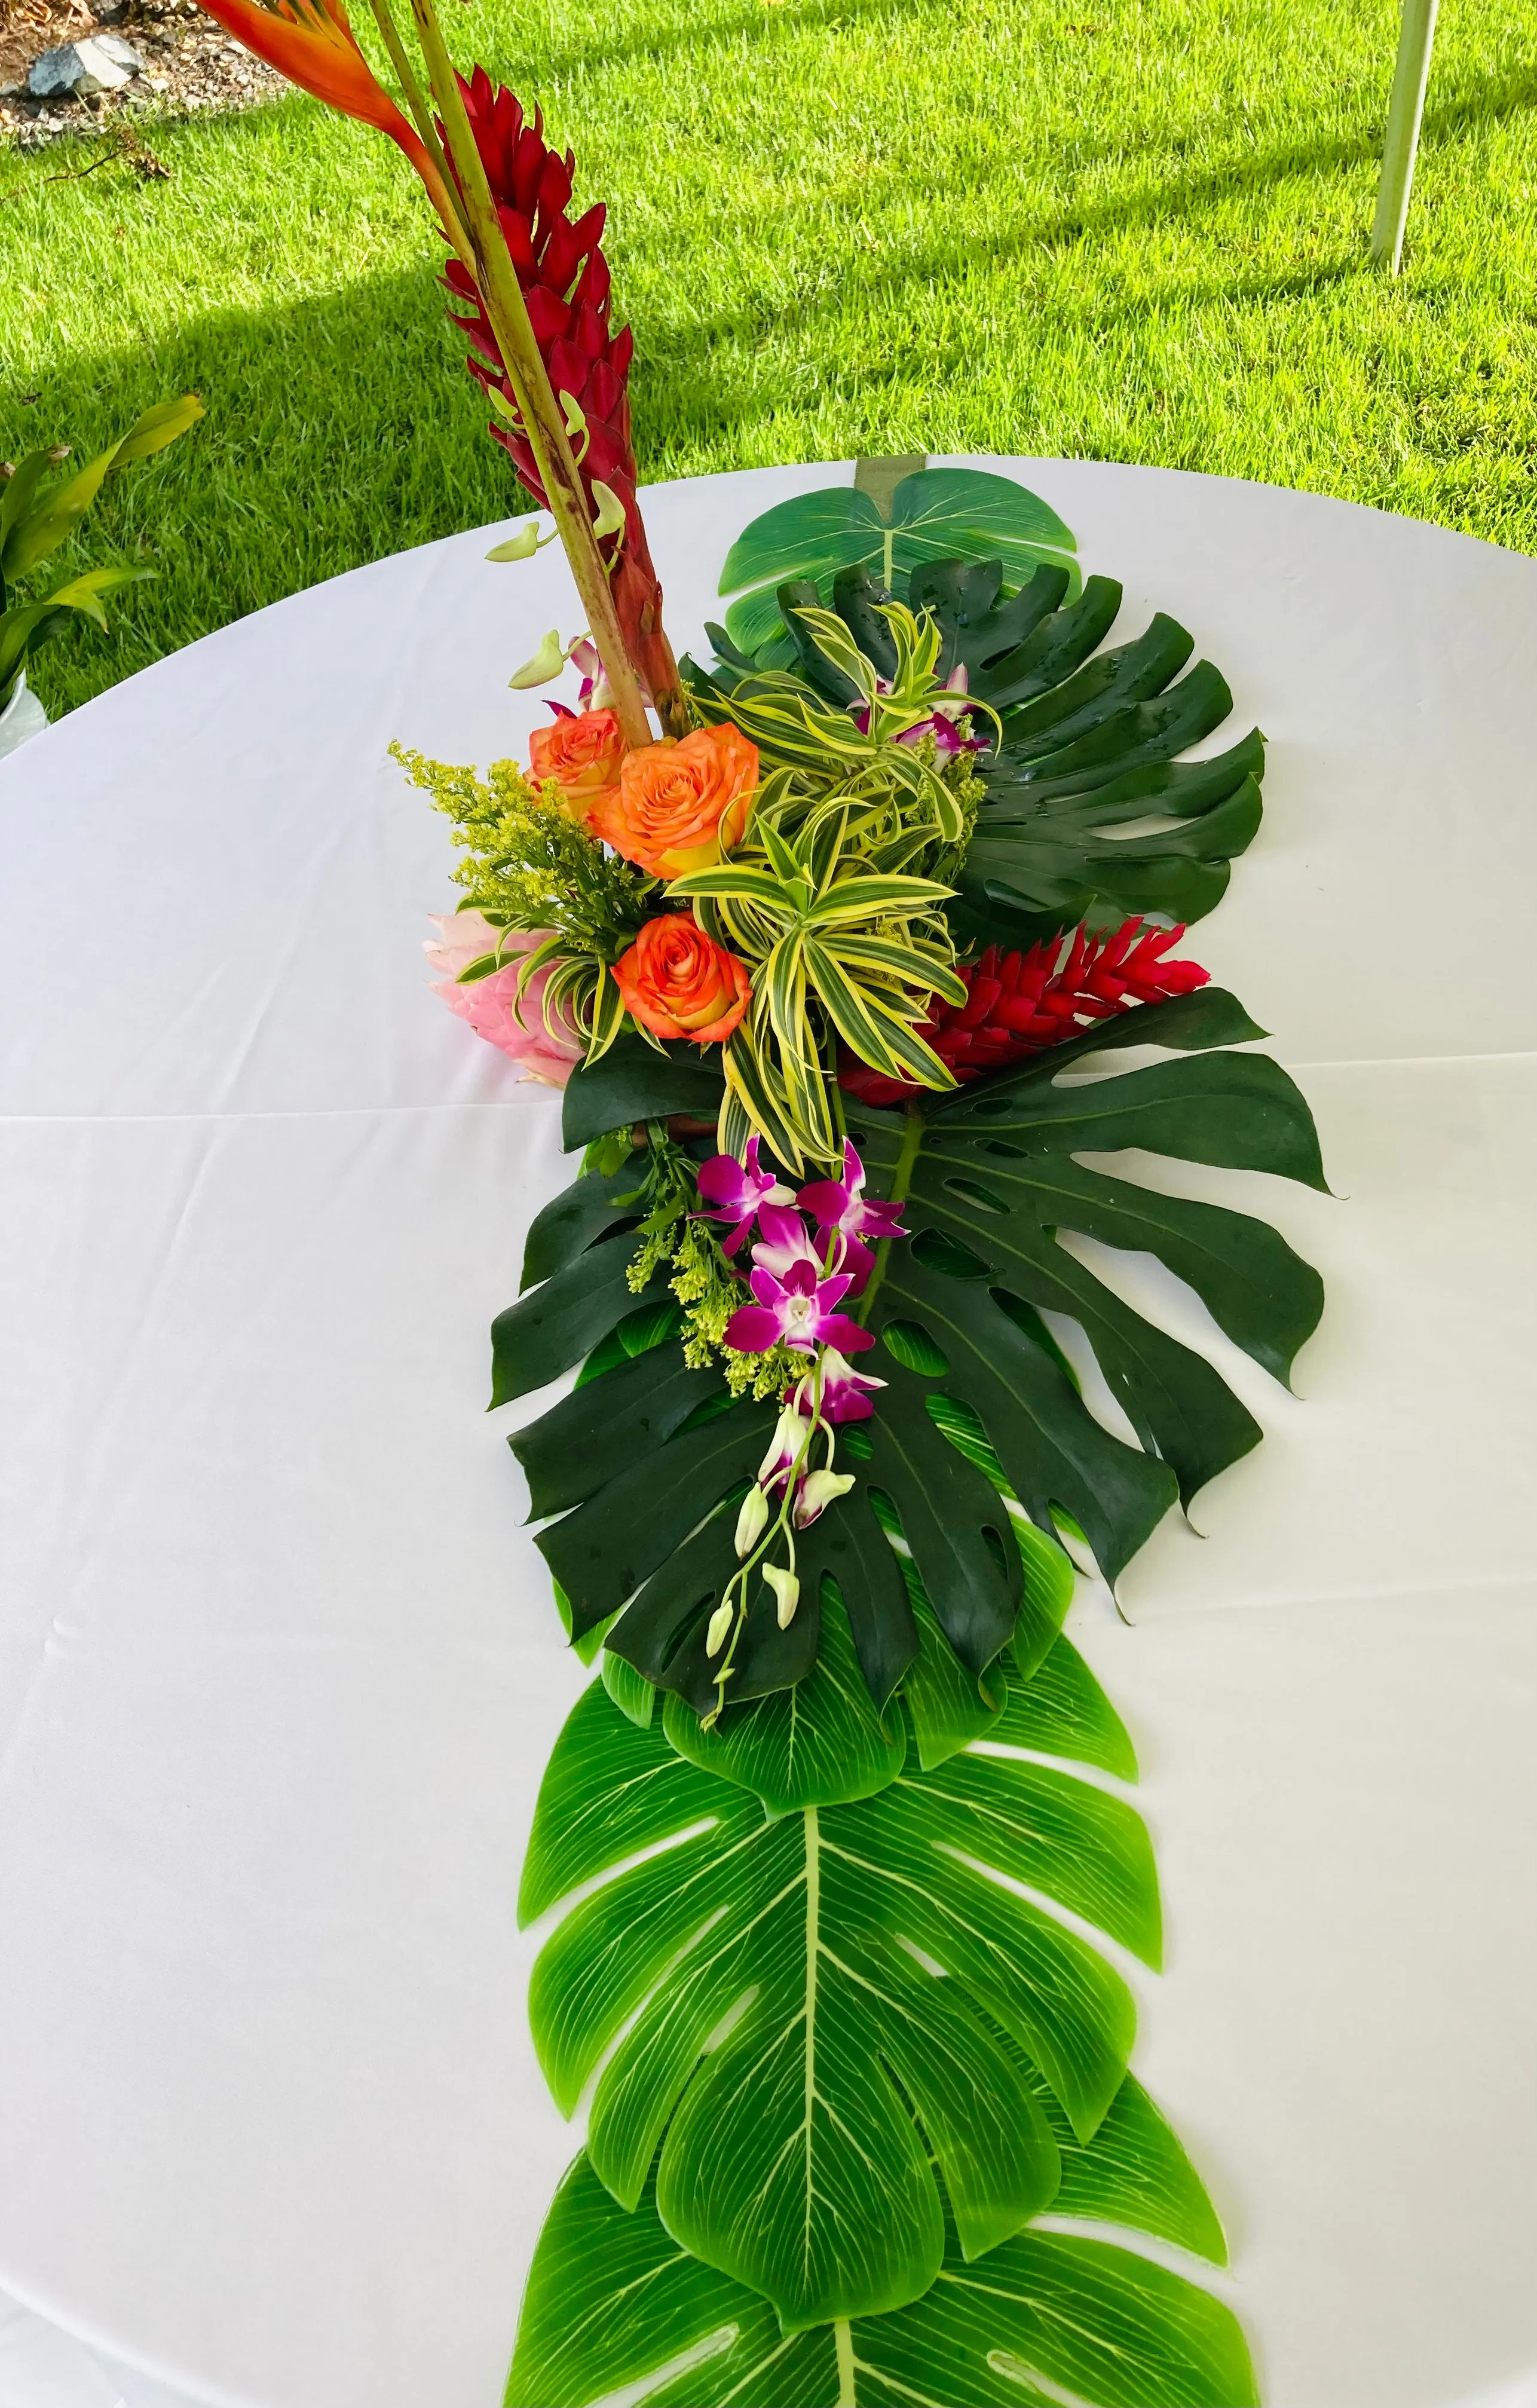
(493, 1006)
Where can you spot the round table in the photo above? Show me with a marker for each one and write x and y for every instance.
(280, 1669)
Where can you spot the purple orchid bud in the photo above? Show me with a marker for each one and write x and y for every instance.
(845, 1396)
(595, 694)
(735, 1191)
(798, 1309)
(948, 739)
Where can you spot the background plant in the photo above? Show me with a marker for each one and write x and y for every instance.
(37, 518)
(1158, 214)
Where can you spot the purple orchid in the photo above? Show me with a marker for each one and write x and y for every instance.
(844, 1389)
(800, 1309)
(784, 1239)
(940, 724)
(842, 1204)
(737, 1191)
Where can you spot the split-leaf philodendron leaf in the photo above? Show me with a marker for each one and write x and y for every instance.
(993, 1179)
(612, 2302)
(1088, 808)
(936, 514)
(823, 2015)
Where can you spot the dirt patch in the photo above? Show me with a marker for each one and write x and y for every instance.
(190, 65)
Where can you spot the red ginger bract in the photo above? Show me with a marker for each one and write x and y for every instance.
(1017, 1004)
(566, 285)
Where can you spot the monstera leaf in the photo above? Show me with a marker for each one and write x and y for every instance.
(991, 1176)
(1086, 746)
(644, 1465)
(937, 514)
(772, 1978)
(613, 2302)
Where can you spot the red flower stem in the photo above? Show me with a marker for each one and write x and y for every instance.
(501, 296)
(422, 118)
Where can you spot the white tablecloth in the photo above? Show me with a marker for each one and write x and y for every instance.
(279, 1667)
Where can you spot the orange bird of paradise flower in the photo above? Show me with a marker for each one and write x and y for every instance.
(312, 43)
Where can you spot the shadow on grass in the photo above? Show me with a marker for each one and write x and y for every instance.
(1480, 102)
(340, 427)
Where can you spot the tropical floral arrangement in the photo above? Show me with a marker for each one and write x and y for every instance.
(830, 945)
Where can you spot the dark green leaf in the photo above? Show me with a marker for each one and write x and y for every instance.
(553, 1327)
(634, 1082)
(994, 1181)
(605, 1551)
(568, 1224)
(570, 1451)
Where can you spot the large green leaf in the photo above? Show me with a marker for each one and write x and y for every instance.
(612, 2302)
(937, 514)
(993, 1176)
(1086, 807)
(635, 1081)
(553, 1326)
(761, 1991)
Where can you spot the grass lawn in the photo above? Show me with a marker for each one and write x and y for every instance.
(1129, 229)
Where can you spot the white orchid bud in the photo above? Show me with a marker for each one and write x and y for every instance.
(579, 433)
(786, 1588)
(785, 1445)
(819, 1490)
(521, 546)
(547, 663)
(751, 1522)
(610, 511)
(720, 1625)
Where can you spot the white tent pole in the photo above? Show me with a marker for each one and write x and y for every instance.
(1415, 34)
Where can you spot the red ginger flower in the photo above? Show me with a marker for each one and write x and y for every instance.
(565, 280)
(1017, 1004)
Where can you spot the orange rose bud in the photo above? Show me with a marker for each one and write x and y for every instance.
(677, 981)
(680, 807)
(581, 752)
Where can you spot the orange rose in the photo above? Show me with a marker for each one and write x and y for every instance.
(679, 806)
(581, 752)
(677, 981)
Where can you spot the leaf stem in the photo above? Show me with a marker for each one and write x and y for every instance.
(844, 2343)
(913, 1138)
(502, 295)
(454, 224)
